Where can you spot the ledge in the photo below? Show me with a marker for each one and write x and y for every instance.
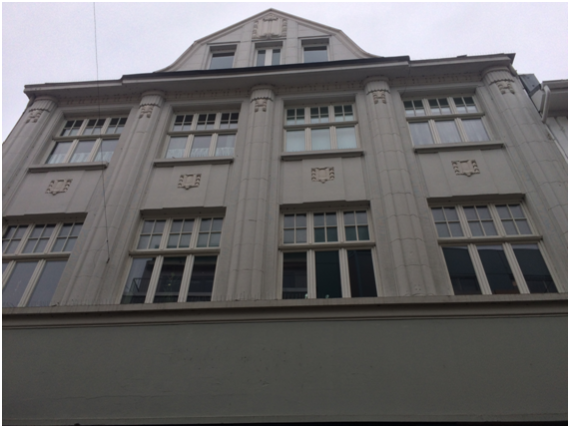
(164, 163)
(84, 166)
(405, 307)
(434, 148)
(363, 245)
(324, 154)
(490, 239)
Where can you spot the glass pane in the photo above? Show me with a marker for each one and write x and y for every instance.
(289, 236)
(82, 152)
(143, 242)
(201, 146)
(350, 232)
(106, 150)
(172, 241)
(222, 60)
(319, 219)
(516, 211)
(276, 57)
(533, 267)
(295, 141)
(301, 236)
(301, 220)
(17, 283)
(470, 213)
(451, 214)
(448, 132)
(327, 268)
(185, 240)
(484, 213)
(215, 240)
(315, 54)
(455, 229)
(260, 58)
(176, 147)
(58, 246)
(320, 139)
(225, 145)
(361, 272)
(148, 226)
(510, 228)
(442, 230)
(70, 244)
(346, 138)
(349, 218)
(202, 280)
(332, 234)
(294, 276)
(203, 240)
(176, 226)
(217, 224)
(59, 153)
(320, 235)
(45, 288)
(461, 271)
(476, 229)
(205, 225)
(489, 228)
(169, 280)
(497, 269)
(138, 281)
(523, 227)
(475, 130)
(421, 134)
(363, 233)
(331, 219)
(503, 211)
(289, 221)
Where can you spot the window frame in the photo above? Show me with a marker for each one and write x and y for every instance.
(342, 245)
(332, 125)
(502, 239)
(430, 118)
(215, 132)
(268, 61)
(159, 254)
(41, 257)
(214, 50)
(312, 46)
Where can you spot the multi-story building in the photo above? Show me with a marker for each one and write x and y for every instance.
(281, 227)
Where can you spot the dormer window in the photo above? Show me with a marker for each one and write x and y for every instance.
(268, 53)
(222, 57)
(315, 50)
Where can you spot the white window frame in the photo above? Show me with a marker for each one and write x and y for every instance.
(40, 257)
(332, 125)
(159, 254)
(342, 246)
(268, 55)
(190, 134)
(221, 50)
(431, 118)
(501, 238)
(315, 43)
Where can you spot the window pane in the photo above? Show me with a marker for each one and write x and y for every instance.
(315, 54)
(276, 57)
(176, 147)
(47, 283)
(225, 145)
(421, 134)
(260, 58)
(17, 283)
(320, 139)
(169, 280)
(346, 138)
(201, 146)
(327, 269)
(222, 60)
(202, 279)
(295, 141)
(106, 150)
(59, 153)
(533, 267)
(138, 280)
(448, 131)
(475, 130)
(461, 271)
(497, 269)
(294, 275)
(361, 271)
(82, 152)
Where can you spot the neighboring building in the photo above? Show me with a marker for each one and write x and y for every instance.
(281, 227)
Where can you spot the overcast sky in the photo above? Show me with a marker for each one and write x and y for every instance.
(54, 42)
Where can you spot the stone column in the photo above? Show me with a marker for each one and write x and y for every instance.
(249, 240)
(395, 198)
(100, 266)
(541, 169)
(24, 141)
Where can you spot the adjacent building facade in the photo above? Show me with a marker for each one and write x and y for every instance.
(281, 227)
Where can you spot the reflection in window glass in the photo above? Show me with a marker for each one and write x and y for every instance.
(276, 57)
(47, 283)
(461, 271)
(176, 147)
(361, 271)
(346, 138)
(315, 54)
(59, 153)
(260, 58)
(533, 267)
(497, 269)
(475, 130)
(138, 281)
(19, 279)
(202, 279)
(106, 150)
(295, 141)
(169, 280)
(320, 139)
(200, 146)
(82, 151)
(225, 145)
(327, 269)
(295, 275)
(421, 134)
(448, 132)
(12, 238)
(222, 60)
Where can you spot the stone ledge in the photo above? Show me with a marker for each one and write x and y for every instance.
(164, 163)
(84, 166)
(324, 154)
(434, 148)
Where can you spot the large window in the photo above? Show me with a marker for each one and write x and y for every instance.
(315, 54)
(445, 121)
(223, 59)
(202, 135)
(267, 56)
(33, 259)
(327, 255)
(87, 140)
(320, 128)
(174, 260)
(491, 249)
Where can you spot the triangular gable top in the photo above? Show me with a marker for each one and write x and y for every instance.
(269, 25)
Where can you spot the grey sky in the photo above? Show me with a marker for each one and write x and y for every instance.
(54, 42)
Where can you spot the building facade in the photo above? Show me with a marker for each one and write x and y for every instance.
(281, 227)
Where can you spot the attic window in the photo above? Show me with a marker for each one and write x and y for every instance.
(222, 57)
(315, 50)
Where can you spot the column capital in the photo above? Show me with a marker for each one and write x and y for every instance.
(262, 92)
(377, 87)
(501, 76)
(40, 104)
(149, 100)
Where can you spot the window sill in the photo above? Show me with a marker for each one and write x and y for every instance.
(36, 256)
(463, 240)
(363, 245)
(434, 148)
(321, 154)
(163, 163)
(84, 166)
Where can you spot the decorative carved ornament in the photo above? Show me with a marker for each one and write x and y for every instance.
(58, 186)
(433, 80)
(379, 95)
(34, 115)
(269, 27)
(261, 104)
(146, 110)
(322, 174)
(505, 86)
(114, 99)
(188, 181)
(465, 167)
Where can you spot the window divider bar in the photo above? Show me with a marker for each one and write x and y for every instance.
(32, 283)
(479, 269)
(344, 273)
(311, 275)
(154, 280)
(186, 275)
(515, 269)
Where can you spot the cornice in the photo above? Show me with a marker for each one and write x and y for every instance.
(111, 99)
(436, 80)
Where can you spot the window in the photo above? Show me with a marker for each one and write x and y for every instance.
(315, 54)
(222, 57)
(87, 140)
(491, 249)
(327, 255)
(320, 128)
(174, 261)
(202, 135)
(33, 259)
(267, 56)
(445, 120)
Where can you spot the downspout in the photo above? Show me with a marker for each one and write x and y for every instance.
(545, 104)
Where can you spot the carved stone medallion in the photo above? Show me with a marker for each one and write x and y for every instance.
(188, 181)
(58, 186)
(322, 174)
(465, 167)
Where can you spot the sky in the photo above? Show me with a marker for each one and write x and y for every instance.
(55, 42)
